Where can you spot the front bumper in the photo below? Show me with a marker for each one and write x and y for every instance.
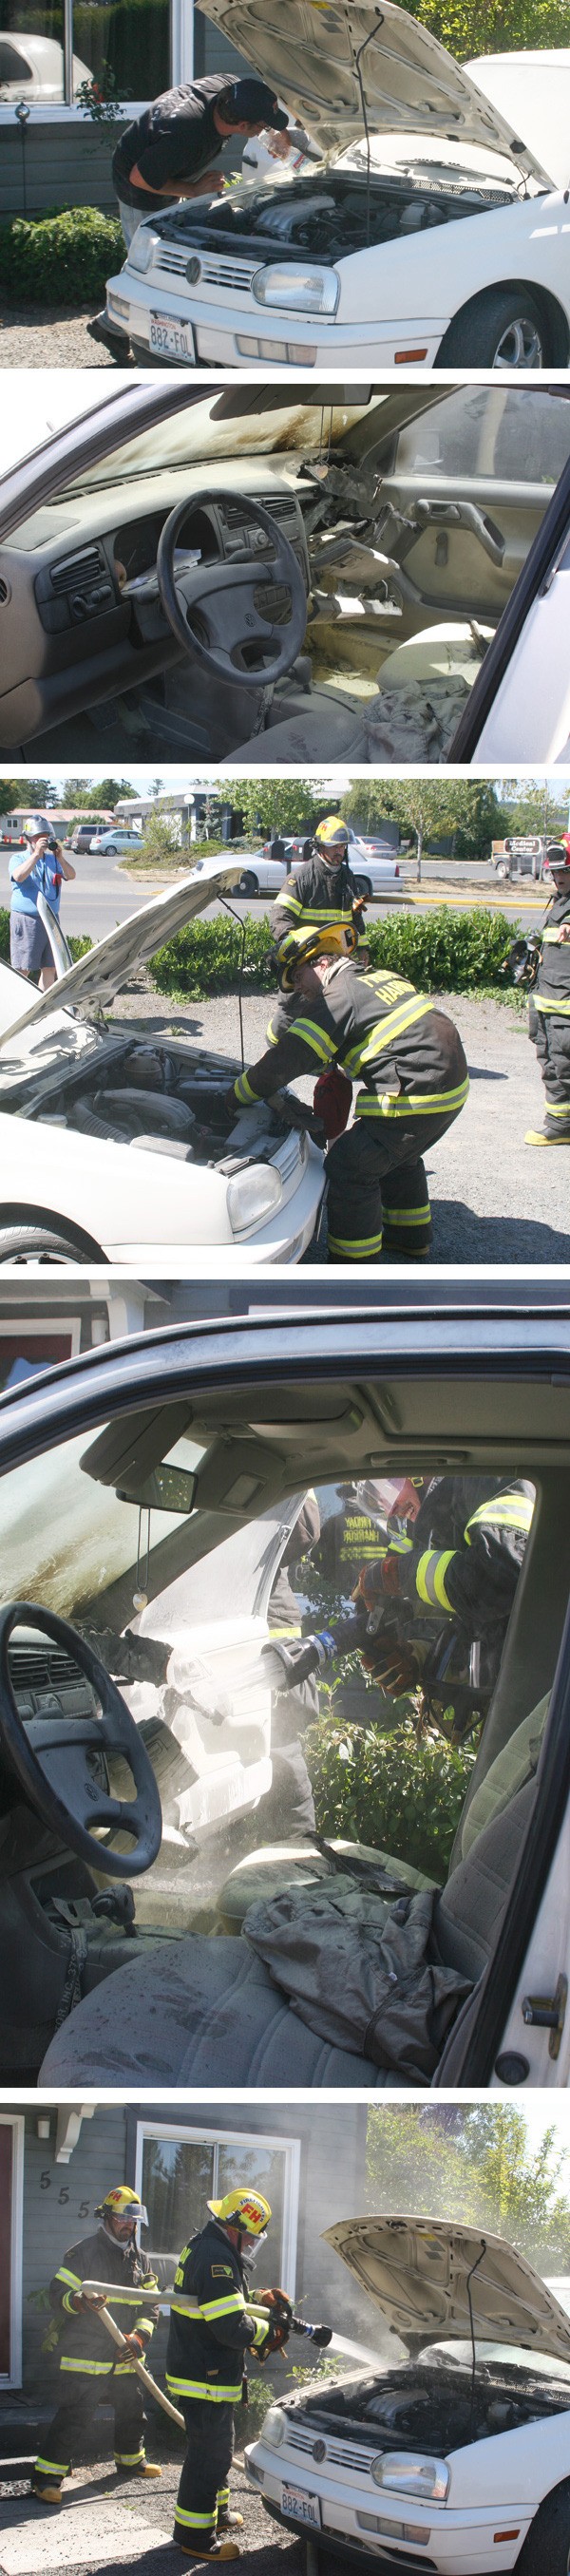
(221, 329)
(285, 1238)
(460, 2543)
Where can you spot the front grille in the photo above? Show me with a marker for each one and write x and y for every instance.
(216, 268)
(345, 2455)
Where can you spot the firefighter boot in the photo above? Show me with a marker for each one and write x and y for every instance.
(48, 2494)
(137, 2469)
(538, 1136)
(210, 2553)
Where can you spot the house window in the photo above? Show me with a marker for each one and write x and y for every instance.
(180, 2169)
(11, 2194)
(123, 45)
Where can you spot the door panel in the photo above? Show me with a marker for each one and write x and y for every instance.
(6, 2165)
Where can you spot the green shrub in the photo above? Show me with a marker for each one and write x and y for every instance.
(403, 1793)
(448, 952)
(59, 259)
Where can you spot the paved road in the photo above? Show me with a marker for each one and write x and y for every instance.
(103, 893)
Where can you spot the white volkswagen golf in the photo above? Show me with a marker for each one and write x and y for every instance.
(432, 233)
(457, 2458)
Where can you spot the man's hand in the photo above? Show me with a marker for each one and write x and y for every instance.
(83, 2301)
(210, 184)
(135, 2344)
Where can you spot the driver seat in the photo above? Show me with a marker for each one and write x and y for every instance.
(329, 725)
(218, 2018)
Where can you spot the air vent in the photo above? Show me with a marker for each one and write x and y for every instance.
(283, 508)
(33, 1668)
(5, 591)
(78, 570)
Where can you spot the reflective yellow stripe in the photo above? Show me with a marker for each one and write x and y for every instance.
(204, 2388)
(272, 1034)
(233, 2305)
(195, 2521)
(503, 1511)
(53, 2468)
(553, 1112)
(315, 1038)
(94, 2369)
(561, 1007)
(73, 2279)
(336, 916)
(289, 902)
(356, 1247)
(430, 1577)
(407, 1216)
(124, 2369)
(417, 1104)
(381, 1037)
(129, 2459)
(68, 2302)
(244, 1089)
(555, 938)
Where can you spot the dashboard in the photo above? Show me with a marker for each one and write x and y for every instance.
(77, 623)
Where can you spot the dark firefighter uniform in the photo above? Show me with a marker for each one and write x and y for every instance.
(410, 1061)
(204, 2373)
(88, 2368)
(549, 1017)
(317, 896)
(288, 1809)
(473, 1574)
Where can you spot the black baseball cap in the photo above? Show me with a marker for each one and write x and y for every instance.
(255, 103)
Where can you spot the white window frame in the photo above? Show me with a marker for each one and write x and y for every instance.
(181, 69)
(289, 2148)
(15, 2121)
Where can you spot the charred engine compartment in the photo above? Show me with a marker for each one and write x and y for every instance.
(154, 1098)
(435, 2406)
(329, 217)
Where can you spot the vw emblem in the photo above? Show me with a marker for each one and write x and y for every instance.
(193, 271)
(319, 2450)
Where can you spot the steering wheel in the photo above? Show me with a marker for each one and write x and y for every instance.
(58, 1763)
(211, 606)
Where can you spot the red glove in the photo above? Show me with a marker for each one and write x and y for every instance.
(370, 1587)
(135, 2344)
(331, 1101)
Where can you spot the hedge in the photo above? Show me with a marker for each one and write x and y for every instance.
(59, 259)
(78, 946)
(400, 1793)
(447, 953)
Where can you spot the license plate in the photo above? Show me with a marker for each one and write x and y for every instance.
(300, 2507)
(172, 339)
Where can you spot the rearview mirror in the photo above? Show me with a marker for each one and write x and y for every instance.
(168, 1489)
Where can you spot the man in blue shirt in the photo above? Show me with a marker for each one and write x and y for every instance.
(40, 871)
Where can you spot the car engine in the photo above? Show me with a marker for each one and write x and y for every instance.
(163, 1102)
(330, 218)
(434, 2406)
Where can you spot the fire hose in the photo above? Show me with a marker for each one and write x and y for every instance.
(281, 2322)
(120, 2340)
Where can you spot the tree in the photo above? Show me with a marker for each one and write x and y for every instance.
(476, 2164)
(161, 837)
(81, 792)
(38, 792)
(424, 806)
(470, 27)
(530, 807)
(277, 804)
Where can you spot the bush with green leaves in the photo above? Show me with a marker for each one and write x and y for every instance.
(59, 259)
(403, 1793)
(448, 952)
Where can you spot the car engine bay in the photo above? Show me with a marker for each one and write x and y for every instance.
(153, 1097)
(435, 2405)
(330, 217)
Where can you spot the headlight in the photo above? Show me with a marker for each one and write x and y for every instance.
(410, 2474)
(301, 290)
(273, 2428)
(252, 1196)
(142, 248)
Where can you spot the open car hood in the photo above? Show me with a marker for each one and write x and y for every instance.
(308, 52)
(418, 2269)
(92, 984)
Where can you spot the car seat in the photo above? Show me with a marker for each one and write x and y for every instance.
(329, 723)
(216, 2017)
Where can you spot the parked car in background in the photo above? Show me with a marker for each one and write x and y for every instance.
(435, 233)
(83, 834)
(375, 870)
(32, 68)
(460, 2449)
(116, 841)
(523, 856)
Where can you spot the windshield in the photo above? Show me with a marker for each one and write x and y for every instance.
(211, 430)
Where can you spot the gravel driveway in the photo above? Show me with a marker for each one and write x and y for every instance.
(494, 1198)
(43, 336)
(96, 2489)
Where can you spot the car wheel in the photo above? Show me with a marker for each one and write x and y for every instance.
(21, 1244)
(248, 884)
(502, 871)
(502, 328)
(548, 2542)
(363, 887)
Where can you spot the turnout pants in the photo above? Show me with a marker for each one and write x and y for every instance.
(378, 1197)
(80, 2393)
(203, 2494)
(550, 1032)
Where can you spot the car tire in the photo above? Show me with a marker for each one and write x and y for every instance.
(502, 872)
(502, 320)
(548, 2541)
(364, 887)
(248, 884)
(20, 1244)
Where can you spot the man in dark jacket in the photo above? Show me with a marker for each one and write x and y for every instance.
(322, 894)
(549, 1006)
(88, 2371)
(168, 151)
(212, 2328)
(410, 1059)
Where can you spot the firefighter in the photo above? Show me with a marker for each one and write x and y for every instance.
(88, 2372)
(207, 2350)
(414, 1082)
(549, 1005)
(322, 894)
